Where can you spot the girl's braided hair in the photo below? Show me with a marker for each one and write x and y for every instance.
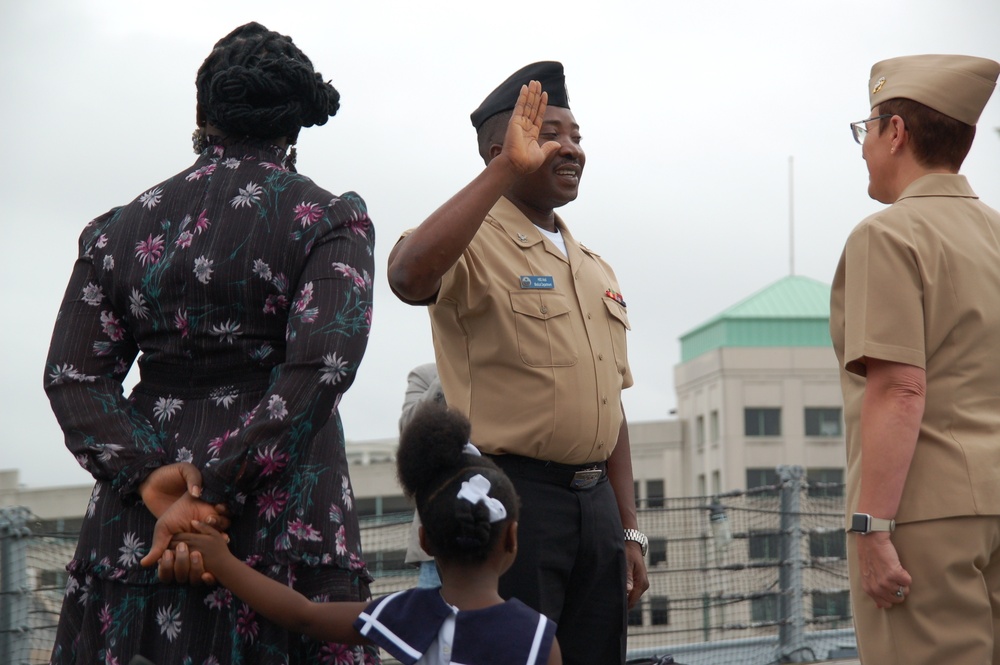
(432, 465)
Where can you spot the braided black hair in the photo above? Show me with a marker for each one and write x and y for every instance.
(432, 465)
(257, 83)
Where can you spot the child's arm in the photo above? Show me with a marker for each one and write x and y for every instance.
(330, 622)
(555, 654)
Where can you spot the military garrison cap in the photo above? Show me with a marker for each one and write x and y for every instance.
(548, 73)
(956, 85)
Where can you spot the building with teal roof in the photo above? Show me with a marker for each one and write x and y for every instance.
(792, 312)
(758, 387)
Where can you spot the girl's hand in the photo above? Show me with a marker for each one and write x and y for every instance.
(176, 519)
(207, 544)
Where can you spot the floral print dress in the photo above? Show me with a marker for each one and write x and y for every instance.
(245, 292)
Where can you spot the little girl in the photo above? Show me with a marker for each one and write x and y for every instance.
(469, 512)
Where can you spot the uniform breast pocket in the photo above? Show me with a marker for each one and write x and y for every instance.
(544, 327)
(618, 325)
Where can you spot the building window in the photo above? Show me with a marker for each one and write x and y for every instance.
(765, 545)
(825, 482)
(713, 427)
(823, 422)
(762, 422)
(635, 494)
(52, 579)
(716, 482)
(699, 431)
(654, 493)
(657, 551)
(659, 611)
(366, 507)
(62, 525)
(831, 604)
(396, 504)
(828, 544)
(765, 608)
(388, 562)
(635, 615)
(702, 490)
(382, 505)
(763, 478)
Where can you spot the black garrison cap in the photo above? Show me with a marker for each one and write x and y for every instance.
(548, 73)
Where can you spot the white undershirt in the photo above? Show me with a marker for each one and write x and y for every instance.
(556, 239)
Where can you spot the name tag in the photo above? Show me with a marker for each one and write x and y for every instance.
(537, 282)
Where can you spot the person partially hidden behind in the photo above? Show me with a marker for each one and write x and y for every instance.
(422, 387)
(469, 512)
(915, 322)
(529, 337)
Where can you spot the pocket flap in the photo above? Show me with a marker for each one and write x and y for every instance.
(617, 311)
(539, 305)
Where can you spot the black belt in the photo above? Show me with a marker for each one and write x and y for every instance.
(194, 381)
(573, 476)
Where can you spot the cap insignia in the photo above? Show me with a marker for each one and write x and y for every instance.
(878, 85)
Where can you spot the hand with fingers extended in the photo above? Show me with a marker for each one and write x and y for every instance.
(168, 483)
(178, 564)
(520, 144)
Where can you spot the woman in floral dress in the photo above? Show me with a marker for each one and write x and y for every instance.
(244, 290)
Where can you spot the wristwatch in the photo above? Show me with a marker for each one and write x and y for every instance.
(864, 523)
(637, 536)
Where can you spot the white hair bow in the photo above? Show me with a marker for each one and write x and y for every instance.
(476, 490)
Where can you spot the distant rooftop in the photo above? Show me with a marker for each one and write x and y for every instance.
(794, 311)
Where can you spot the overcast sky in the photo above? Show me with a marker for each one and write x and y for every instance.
(690, 113)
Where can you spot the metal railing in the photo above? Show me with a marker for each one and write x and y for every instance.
(745, 578)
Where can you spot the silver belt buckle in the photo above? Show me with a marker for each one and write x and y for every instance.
(585, 479)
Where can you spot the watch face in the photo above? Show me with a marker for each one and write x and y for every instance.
(859, 523)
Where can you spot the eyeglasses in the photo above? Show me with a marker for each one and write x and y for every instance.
(860, 128)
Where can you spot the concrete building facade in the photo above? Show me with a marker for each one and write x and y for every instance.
(758, 387)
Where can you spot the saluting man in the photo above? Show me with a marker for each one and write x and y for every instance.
(529, 335)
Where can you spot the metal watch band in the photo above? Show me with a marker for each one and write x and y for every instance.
(637, 536)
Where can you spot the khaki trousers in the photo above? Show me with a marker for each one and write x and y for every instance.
(952, 614)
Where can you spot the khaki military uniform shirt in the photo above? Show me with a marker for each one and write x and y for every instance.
(531, 344)
(919, 283)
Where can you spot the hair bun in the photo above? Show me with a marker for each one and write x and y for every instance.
(258, 83)
(431, 447)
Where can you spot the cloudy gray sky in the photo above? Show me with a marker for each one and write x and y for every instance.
(690, 112)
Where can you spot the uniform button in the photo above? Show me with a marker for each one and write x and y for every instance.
(600, 356)
(605, 400)
(588, 315)
(544, 310)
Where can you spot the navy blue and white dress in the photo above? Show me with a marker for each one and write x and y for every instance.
(418, 626)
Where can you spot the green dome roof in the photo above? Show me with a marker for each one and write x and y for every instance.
(794, 311)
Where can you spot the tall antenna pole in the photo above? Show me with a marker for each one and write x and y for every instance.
(791, 216)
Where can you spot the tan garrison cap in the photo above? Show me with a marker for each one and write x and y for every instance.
(956, 85)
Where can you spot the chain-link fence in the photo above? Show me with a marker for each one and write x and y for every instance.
(744, 578)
